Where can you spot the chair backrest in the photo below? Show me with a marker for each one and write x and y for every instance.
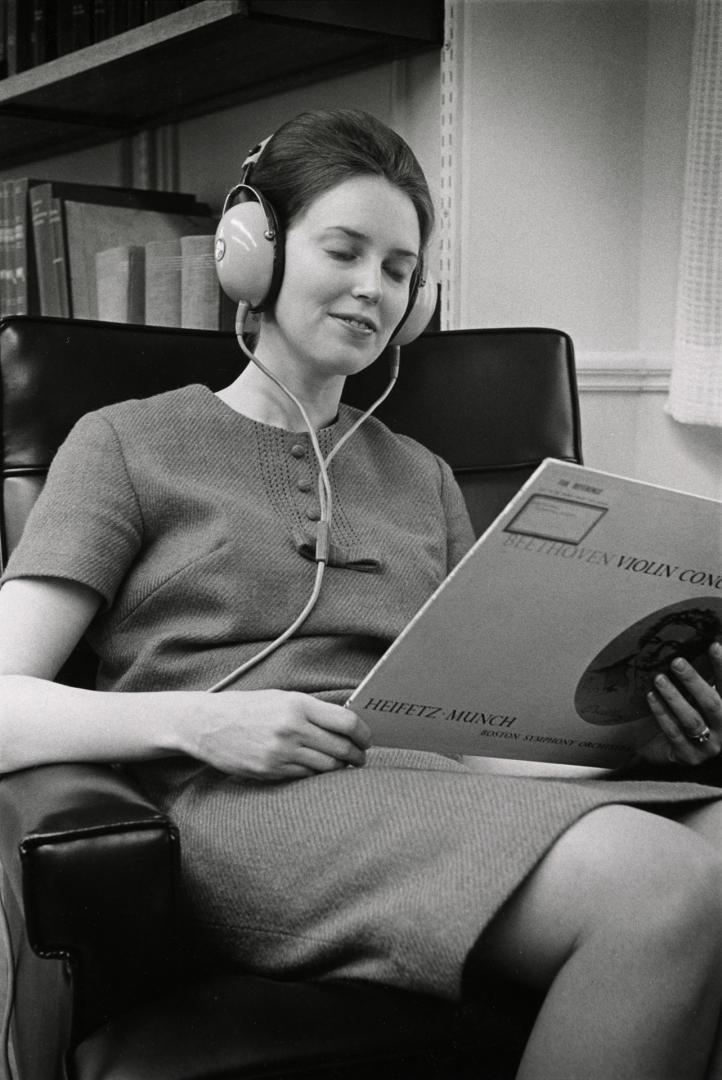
(493, 403)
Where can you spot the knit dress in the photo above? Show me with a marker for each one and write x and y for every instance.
(196, 524)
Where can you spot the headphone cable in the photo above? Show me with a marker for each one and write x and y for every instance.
(324, 493)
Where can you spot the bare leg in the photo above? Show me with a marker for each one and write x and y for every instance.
(622, 922)
(707, 821)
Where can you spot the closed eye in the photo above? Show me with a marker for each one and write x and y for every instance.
(398, 273)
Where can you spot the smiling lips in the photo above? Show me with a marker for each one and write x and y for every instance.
(358, 323)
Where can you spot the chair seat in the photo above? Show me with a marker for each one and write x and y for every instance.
(236, 1025)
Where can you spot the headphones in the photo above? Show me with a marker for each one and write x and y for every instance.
(249, 256)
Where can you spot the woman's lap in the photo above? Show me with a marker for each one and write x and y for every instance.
(386, 873)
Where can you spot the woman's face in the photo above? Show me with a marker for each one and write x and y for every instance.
(350, 257)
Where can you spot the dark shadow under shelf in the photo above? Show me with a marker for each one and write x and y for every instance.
(211, 55)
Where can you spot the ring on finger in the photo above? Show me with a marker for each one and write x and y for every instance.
(702, 736)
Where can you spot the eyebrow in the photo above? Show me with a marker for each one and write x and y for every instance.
(354, 234)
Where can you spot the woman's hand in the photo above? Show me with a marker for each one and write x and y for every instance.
(275, 734)
(690, 727)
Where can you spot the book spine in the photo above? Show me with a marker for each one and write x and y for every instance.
(120, 279)
(60, 257)
(163, 283)
(4, 290)
(11, 293)
(135, 13)
(156, 9)
(3, 38)
(42, 244)
(101, 20)
(17, 35)
(117, 16)
(43, 34)
(19, 203)
(75, 26)
(200, 291)
(110, 17)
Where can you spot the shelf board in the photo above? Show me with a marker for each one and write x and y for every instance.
(204, 57)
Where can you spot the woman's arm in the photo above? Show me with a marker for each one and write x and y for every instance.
(261, 735)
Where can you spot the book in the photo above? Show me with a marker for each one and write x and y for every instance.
(163, 282)
(91, 227)
(47, 206)
(3, 38)
(25, 272)
(59, 257)
(110, 17)
(120, 283)
(542, 643)
(40, 200)
(7, 292)
(18, 30)
(201, 295)
(74, 26)
(18, 245)
(43, 34)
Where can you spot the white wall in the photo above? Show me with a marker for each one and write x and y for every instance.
(569, 124)
(403, 93)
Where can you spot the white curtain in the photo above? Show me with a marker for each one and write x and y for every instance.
(696, 384)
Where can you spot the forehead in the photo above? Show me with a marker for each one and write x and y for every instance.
(369, 205)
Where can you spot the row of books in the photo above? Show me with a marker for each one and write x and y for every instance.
(52, 232)
(33, 32)
(163, 283)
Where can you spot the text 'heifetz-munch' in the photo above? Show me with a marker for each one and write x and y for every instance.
(436, 712)
(494, 725)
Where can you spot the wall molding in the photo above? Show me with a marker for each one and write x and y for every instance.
(632, 372)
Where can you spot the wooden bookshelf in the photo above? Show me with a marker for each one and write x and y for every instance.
(205, 57)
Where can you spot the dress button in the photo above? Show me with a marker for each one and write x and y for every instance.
(298, 451)
(304, 485)
(313, 514)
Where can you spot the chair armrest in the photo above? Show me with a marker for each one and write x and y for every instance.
(94, 864)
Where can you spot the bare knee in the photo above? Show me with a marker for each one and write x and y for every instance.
(624, 879)
(646, 880)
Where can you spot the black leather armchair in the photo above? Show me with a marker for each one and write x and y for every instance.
(104, 988)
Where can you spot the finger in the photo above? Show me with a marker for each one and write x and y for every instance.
(333, 745)
(683, 751)
(715, 655)
(282, 772)
(341, 720)
(318, 762)
(706, 698)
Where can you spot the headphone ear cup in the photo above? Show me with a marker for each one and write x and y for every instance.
(246, 253)
(419, 312)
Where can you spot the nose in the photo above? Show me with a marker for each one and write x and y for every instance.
(368, 282)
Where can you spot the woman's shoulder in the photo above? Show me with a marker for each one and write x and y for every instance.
(184, 403)
(381, 439)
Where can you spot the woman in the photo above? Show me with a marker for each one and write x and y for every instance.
(178, 532)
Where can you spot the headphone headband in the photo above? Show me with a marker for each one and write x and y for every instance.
(249, 254)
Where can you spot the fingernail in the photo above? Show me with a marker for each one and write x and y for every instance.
(679, 664)
(716, 649)
(661, 680)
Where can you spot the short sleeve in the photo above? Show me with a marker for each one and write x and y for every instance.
(460, 532)
(86, 524)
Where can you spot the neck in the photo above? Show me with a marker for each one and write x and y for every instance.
(256, 396)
